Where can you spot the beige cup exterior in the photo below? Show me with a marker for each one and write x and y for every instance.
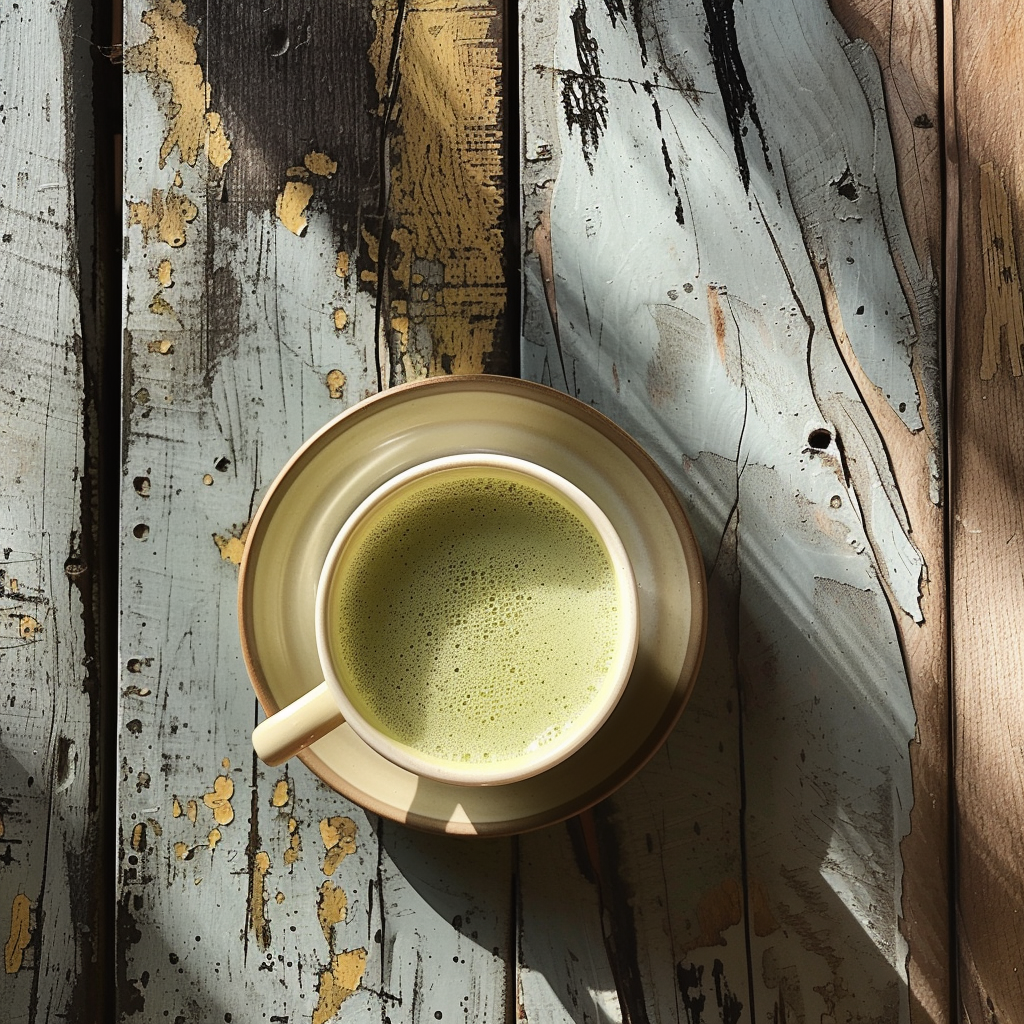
(327, 706)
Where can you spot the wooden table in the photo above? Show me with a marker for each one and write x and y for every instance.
(737, 229)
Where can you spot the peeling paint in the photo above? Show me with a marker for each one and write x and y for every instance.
(182, 851)
(1, 827)
(20, 934)
(336, 384)
(164, 347)
(341, 265)
(294, 851)
(1004, 303)
(28, 627)
(214, 837)
(291, 205)
(218, 147)
(232, 546)
(331, 908)
(139, 837)
(192, 811)
(219, 800)
(162, 307)
(164, 217)
(337, 982)
(280, 795)
(164, 274)
(175, 808)
(340, 319)
(279, 898)
(719, 909)
(257, 899)
(445, 200)
(320, 164)
(339, 836)
(169, 58)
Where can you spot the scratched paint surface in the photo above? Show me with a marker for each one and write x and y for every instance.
(718, 259)
(252, 241)
(48, 834)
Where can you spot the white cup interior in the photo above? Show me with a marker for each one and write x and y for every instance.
(376, 508)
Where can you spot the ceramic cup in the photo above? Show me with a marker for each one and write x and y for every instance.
(476, 623)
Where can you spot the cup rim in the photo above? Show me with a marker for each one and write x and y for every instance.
(480, 774)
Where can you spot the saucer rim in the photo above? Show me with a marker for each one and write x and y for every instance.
(588, 418)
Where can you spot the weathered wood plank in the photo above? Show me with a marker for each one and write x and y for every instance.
(276, 241)
(50, 843)
(718, 258)
(987, 410)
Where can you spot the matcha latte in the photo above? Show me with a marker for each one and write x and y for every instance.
(476, 619)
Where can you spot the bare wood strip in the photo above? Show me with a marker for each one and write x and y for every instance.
(987, 493)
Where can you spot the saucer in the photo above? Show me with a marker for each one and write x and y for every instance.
(337, 468)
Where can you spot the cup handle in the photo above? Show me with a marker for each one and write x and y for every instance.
(296, 726)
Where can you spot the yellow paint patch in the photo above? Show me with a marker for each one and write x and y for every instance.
(164, 347)
(164, 217)
(213, 838)
(232, 546)
(280, 796)
(20, 935)
(219, 800)
(162, 307)
(28, 627)
(718, 909)
(225, 763)
(175, 808)
(155, 826)
(163, 274)
(218, 147)
(12, 585)
(257, 901)
(445, 197)
(339, 837)
(279, 898)
(340, 319)
(336, 384)
(182, 851)
(294, 851)
(320, 164)
(331, 908)
(341, 265)
(337, 982)
(138, 837)
(192, 811)
(297, 172)
(291, 205)
(1004, 303)
(169, 57)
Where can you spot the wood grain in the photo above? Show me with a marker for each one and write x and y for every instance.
(987, 406)
(269, 238)
(718, 257)
(51, 846)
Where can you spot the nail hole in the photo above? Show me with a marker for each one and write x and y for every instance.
(142, 485)
(819, 439)
(141, 531)
(278, 41)
(221, 465)
(836, 501)
(134, 665)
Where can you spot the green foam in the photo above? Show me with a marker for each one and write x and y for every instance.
(477, 619)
